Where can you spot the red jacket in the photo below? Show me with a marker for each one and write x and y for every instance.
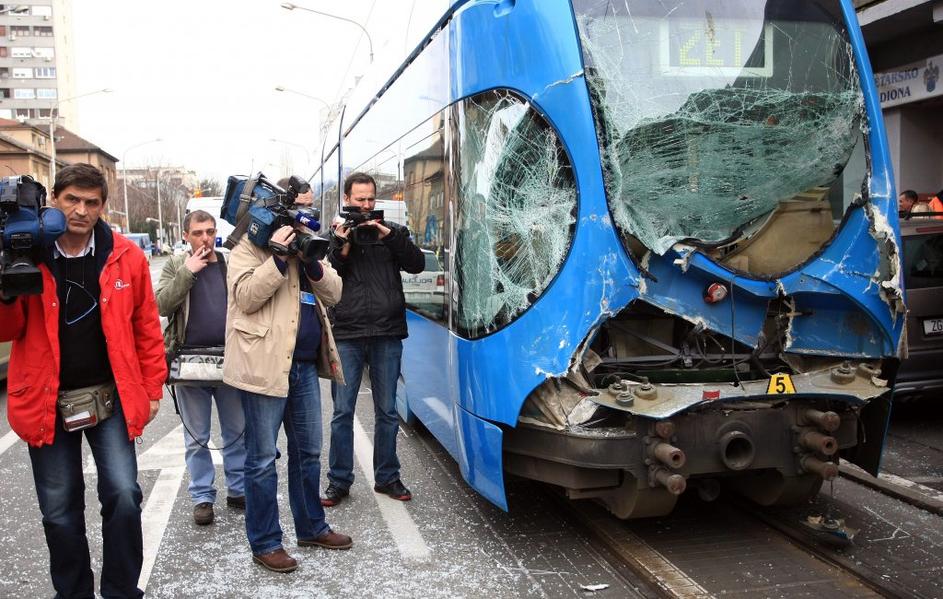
(132, 332)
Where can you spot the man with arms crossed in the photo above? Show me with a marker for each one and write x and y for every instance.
(94, 328)
(192, 294)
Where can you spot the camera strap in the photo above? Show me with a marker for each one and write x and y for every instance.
(242, 214)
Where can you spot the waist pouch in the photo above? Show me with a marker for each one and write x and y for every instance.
(197, 366)
(86, 407)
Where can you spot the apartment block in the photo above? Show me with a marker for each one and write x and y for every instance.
(37, 61)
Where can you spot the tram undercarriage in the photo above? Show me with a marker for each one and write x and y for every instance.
(647, 411)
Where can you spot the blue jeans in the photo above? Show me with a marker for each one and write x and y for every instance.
(300, 412)
(196, 405)
(60, 488)
(383, 355)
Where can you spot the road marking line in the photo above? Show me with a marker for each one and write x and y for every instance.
(156, 515)
(401, 525)
(8, 441)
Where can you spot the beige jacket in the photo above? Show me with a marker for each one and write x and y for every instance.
(262, 321)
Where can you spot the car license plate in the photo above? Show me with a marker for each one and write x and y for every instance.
(933, 326)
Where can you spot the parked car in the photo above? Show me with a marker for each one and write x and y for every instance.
(921, 374)
(144, 242)
(425, 291)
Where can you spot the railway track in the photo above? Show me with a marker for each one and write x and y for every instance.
(734, 546)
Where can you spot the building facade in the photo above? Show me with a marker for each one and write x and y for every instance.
(37, 61)
(905, 42)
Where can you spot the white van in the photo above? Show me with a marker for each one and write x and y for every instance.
(213, 205)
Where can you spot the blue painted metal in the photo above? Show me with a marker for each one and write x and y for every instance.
(463, 390)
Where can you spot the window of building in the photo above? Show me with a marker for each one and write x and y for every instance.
(6, 113)
(4, 52)
(4, 73)
(4, 92)
(21, 52)
(24, 93)
(22, 73)
(24, 113)
(45, 113)
(44, 52)
(19, 31)
(3, 30)
(41, 11)
(45, 72)
(47, 93)
(42, 31)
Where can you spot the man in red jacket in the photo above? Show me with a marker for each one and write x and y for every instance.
(94, 327)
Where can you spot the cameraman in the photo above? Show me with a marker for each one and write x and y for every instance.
(93, 328)
(278, 340)
(369, 324)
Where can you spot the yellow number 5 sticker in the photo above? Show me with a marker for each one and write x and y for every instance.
(780, 384)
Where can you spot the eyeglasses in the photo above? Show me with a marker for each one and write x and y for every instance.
(83, 305)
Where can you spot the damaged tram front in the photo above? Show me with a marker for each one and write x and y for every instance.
(745, 176)
(667, 241)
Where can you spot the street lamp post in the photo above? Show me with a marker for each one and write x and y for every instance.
(124, 167)
(53, 115)
(330, 107)
(290, 6)
(160, 218)
(290, 143)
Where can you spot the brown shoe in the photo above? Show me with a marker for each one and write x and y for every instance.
(276, 561)
(329, 540)
(203, 513)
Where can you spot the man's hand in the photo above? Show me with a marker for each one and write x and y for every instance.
(197, 260)
(382, 229)
(283, 236)
(155, 406)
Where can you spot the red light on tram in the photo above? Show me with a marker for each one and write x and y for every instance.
(715, 292)
(710, 395)
(440, 281)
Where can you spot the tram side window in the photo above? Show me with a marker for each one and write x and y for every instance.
(424, 171)
(516, 206)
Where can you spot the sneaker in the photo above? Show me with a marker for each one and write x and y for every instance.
(276, 561)
(333, 495)
(236, 502)
(394, 489)
(203, 513)
(329, 540)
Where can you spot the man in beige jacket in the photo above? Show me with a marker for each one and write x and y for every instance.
(278, 340)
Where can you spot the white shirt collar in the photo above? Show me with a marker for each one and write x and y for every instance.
(89, 249)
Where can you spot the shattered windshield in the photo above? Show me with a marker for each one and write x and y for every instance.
(711, 114)
(516, 212)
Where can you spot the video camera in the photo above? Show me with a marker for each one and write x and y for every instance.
(269, 208)
(353, 218)
(26, 226)
(288, 212)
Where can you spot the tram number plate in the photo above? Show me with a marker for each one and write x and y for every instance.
(933, 326)
(780, 384)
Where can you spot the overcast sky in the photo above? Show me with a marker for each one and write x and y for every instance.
(200, 74)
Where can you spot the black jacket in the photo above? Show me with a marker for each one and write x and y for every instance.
(372, 304)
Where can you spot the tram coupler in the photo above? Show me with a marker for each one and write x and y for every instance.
(674, 483)
(827, 470)
(819, 443)
(827, 421)
(669, 455)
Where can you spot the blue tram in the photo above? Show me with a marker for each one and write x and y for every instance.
(661, 241)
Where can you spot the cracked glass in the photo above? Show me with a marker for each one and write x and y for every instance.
(516, 210)
(712, 116)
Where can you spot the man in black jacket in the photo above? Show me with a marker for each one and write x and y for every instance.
(369, 327)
